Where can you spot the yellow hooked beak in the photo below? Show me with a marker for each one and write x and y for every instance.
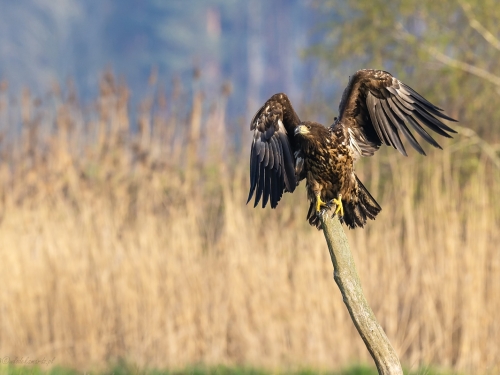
(301, 129)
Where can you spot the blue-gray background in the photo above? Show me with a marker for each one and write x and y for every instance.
(257, 46)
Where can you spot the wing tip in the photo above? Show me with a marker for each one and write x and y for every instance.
(403, 152)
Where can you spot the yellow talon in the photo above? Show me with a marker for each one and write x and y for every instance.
(319, 203)
(340, 208)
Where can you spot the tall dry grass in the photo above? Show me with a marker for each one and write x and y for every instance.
(137, 244)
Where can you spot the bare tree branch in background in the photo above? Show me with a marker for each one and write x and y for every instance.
(474, 139)
(449, 61)
(469, 68)
(476, 25)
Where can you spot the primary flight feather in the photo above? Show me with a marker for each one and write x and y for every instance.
(376, 108)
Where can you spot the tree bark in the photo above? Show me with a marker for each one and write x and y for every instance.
(347, 279)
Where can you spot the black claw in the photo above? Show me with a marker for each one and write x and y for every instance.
(330, 205)
(321, 212)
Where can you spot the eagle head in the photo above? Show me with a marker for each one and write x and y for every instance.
(302, 130)
(310, 130)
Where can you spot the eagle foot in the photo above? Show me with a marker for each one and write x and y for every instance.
(320, 203)
(340, 208)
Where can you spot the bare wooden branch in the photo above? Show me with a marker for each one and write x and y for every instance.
(347, 279)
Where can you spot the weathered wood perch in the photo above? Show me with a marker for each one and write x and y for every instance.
(347, 279)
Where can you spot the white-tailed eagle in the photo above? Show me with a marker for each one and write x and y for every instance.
(376, 108)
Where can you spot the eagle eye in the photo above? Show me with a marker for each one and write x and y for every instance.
(308, 126)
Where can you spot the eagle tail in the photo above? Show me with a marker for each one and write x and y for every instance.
(356, 213)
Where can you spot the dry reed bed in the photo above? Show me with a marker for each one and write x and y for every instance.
(139, 245)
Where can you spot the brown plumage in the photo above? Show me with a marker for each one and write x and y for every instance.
(375, 109)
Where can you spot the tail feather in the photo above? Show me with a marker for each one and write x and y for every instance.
(312, 216)
(355, 214)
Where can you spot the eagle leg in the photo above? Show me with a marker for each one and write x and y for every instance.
(319, 203)
(340, 207)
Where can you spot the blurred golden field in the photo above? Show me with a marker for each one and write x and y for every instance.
(138, 245)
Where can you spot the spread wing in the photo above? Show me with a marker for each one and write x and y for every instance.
(272, 157)
(377, 108)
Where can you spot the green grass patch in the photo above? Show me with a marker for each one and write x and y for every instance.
(128, 369)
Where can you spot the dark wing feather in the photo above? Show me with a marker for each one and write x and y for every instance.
(376, 108)
(272, 160)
